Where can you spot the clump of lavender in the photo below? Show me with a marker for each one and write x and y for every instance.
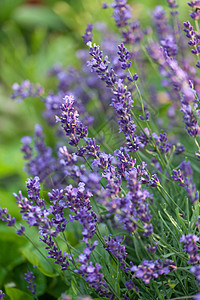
(121, 199)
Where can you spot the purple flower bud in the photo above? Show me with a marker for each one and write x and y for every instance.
(87, 37)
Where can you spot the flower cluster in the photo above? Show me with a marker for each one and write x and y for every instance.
(149, 270)
(71, 124)
(195, 6)
(25, 90)
(184, 177)
(114, 246)
(190, 247)
(29, 277)
(2, 295)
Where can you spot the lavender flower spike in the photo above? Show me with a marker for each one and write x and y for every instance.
(29, 277)
(190, 247)
(87, 37)
(25, 90)
(124, 55)
(6, 217)
(73, 127)
(2, 295)
(122, 13)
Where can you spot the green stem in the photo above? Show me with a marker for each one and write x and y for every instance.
(185, 297)
(68, 246)
(26, 236)
(172, 200)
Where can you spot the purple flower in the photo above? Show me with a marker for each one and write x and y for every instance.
(104, 5)
(133, 78)
(40, 161)
(190, 247)
(196, 13)
(160, 20)
(113, 245)
(184, 177)
(179, 149)
(130, 285)
(90, 148)
(21, 230)
(196, 271)
(124, 56)
(122, 103)
(29, 277)
(78, 202)
(193, 36)
(149, 270)
(161, 141)
(170, 45)
(122, 13)
(173, 5)
(134, 206)
(26, 148)
(25, 90)
(124, 162)
(178, 176)
(190, 120)
(7, 218)
(87, 37)
(196, 297)
(2, 295)
(91, 273)
(70, 122)
(100, 65)
(152, 249)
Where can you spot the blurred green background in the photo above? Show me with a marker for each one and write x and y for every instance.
(33, 36)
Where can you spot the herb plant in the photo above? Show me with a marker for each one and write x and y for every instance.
(112, 205)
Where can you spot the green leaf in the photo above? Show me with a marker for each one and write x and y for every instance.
(16, 294)
(8, 234)
(3, 273)
(58, 287)
(38, 16)
(6, 8)
(10, 255)
(45, 265)
(74, 286)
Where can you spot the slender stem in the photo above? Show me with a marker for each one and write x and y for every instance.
(172, 200)
(181, 283)
(141, 100)
(92, 169)
(196, 142)
(185, 297)
(68, 246)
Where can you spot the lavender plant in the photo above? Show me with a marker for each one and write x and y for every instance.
(118, 218)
